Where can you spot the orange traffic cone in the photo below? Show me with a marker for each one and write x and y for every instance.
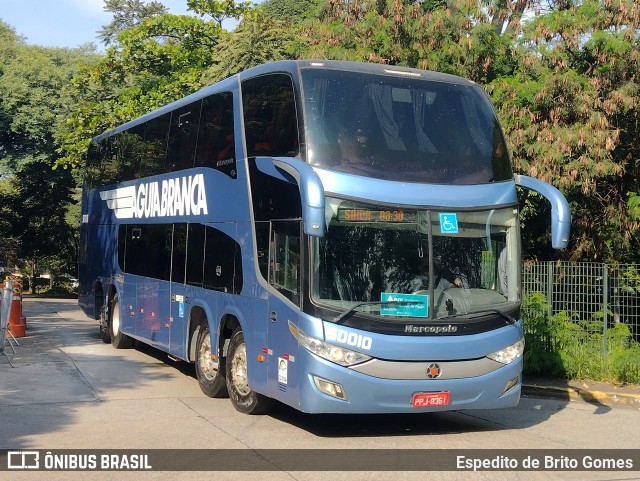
(17, 322)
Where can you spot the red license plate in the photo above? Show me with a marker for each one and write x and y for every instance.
(430, 399)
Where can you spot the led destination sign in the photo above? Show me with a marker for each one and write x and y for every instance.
(374, 215)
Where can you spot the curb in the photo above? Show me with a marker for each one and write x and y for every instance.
(572, 393)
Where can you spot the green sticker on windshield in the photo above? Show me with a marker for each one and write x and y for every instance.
(404, 305)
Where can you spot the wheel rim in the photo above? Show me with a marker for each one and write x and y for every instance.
(239, 370)
(115, 319)
(208, 367)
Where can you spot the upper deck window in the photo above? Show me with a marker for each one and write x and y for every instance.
(404, 129)
(270, 122)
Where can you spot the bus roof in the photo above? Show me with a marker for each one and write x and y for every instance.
(292, 67)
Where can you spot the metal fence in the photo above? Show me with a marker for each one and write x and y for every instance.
(599, 295)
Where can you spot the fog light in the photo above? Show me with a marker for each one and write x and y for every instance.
(330, 388)
(510, 385)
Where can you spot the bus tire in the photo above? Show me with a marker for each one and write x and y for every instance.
(210, 377)
(119, 340)
(243, 398)
(103, 319)
(104, 333)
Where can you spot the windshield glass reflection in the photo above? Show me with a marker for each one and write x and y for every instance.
(423, 264)
(399, 128)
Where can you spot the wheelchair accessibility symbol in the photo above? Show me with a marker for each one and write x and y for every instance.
(449, 223)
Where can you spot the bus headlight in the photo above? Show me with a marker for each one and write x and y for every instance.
(508, 354)
(330, 352)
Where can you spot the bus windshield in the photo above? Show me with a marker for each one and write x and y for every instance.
(404, 129)
(399, 263)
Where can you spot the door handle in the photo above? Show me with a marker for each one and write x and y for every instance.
(273, 316)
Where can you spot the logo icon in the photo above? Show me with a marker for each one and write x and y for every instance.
(433, 371)
(23, 460)
(448, 223)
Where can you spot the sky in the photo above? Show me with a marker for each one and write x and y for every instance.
(64, 23)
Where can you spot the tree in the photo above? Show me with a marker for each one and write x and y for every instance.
(34, 198)
(257, 40)
(453, 37)
(36, 207)
(220, 10)
(571, 111)
(158, 61)
(565, 85)
(127, 14)
(33, 100)
(9, 45)
(289, 10)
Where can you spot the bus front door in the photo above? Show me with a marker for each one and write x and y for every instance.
(284, 276)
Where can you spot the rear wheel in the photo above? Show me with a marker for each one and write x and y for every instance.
(208, 370)
(104, 326)
(119, 340)
(243, 398)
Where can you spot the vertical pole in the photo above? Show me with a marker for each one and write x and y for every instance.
(550, 288)
(605, 317)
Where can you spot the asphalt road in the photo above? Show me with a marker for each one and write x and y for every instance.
(70, 391)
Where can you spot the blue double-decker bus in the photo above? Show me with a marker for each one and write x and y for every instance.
(339, 237)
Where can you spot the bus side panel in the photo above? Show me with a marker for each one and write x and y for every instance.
(86, 295)
(198, 298)
(284, 372)
(256, 338)
(97, 264)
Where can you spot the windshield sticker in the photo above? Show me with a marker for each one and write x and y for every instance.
(449, 223)
(404, 305)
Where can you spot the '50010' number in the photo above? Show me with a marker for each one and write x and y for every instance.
(349, 338)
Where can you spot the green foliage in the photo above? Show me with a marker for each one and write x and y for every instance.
(540, 358)
(570, 110)
(564, 83)
(633, 205)
(158, 61)
(289, 10)
(630, 280)
(626, 364)
(257, 40)
(427, 35)
(34, 198)
(565, 346)
(35, 210)
(33, 100)
(220, 10)
(127, 14)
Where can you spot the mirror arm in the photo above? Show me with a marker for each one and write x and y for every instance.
(560, 212)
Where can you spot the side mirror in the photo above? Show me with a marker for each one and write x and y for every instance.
(296, 171)
(560, 212)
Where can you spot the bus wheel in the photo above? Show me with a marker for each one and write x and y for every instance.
(242, 397)
(104, 326)
(210, 378)
(118, 339)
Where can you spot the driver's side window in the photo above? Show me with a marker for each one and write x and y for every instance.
(284, 258)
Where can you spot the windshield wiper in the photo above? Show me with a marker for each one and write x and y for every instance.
(506, 317)
(344, 314)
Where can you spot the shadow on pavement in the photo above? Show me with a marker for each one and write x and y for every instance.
(47, 385)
